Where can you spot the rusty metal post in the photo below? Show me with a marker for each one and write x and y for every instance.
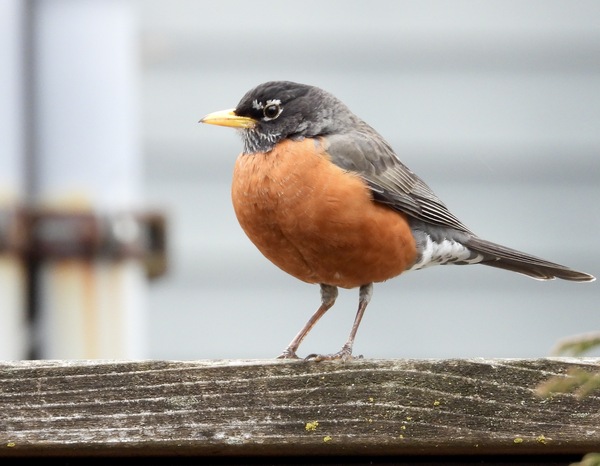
(13, 322)
(87, 161)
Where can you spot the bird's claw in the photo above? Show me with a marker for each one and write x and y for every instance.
(288, 354)
(344, 355)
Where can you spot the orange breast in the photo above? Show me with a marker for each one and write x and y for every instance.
(316, 221)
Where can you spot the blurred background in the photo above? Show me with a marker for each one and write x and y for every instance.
(496, 105)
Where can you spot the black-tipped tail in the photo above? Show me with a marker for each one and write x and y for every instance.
(516, 261)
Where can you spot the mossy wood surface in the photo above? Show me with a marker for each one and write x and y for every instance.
(269, 407)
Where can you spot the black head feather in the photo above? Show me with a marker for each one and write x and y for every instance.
(284, 109)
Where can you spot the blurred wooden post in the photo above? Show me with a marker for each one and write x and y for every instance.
(13, 327)
(87, 160)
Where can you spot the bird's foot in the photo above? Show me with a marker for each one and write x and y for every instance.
(288, 353)
(344, 355)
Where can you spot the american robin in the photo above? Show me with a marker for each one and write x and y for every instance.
(324, 197)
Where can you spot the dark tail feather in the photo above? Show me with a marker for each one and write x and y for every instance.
(516, 261)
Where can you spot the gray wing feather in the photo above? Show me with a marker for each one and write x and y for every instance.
(367, 154)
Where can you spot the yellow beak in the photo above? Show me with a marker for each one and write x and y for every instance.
(228, 118)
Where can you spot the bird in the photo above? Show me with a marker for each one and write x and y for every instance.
(325, 198)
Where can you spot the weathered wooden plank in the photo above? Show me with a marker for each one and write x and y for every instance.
(367, 407)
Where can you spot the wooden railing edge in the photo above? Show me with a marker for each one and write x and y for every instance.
(270, 407)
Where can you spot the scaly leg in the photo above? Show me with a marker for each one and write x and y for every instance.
(328, 296)
(345, 354)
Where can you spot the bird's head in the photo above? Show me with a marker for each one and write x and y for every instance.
(277, 110)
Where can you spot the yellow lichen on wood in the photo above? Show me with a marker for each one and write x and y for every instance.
(311, 426)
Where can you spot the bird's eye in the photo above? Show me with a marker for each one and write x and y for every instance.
(271, 111)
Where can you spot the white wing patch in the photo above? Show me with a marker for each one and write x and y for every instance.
(446, 252)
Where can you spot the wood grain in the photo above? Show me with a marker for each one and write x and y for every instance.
(270, 407)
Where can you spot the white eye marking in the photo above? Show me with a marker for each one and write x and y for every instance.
(256, 105)
(272, 109)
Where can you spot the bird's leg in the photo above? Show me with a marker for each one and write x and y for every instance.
(328, 296)
(345, 354)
